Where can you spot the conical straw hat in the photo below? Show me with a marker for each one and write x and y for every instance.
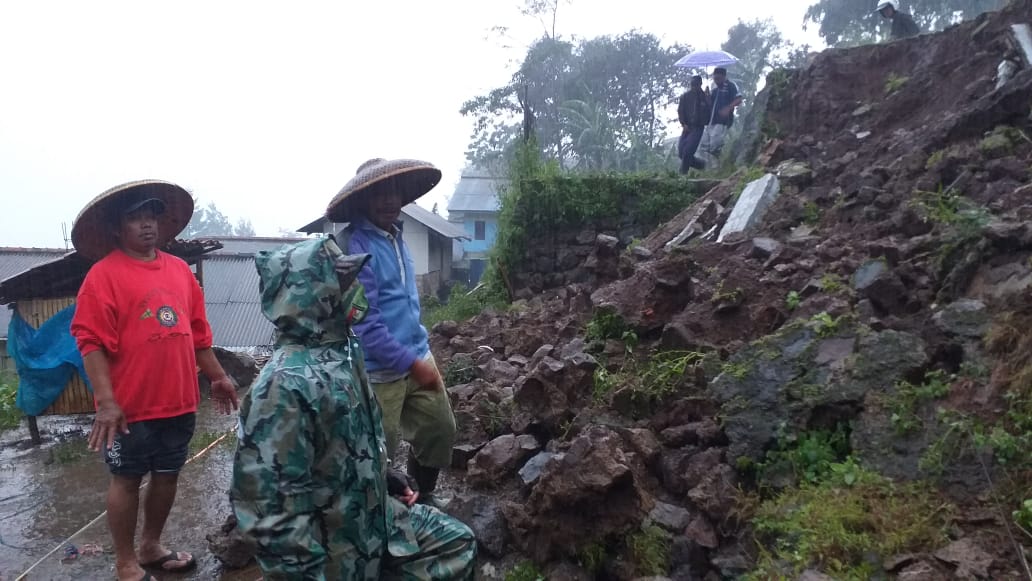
(411, 177)
(92, 233)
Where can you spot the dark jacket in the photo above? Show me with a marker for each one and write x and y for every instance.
(903, 25)
(693, 109)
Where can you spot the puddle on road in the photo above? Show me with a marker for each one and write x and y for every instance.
(50, 492)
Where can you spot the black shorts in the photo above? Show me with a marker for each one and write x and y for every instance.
(151, 446)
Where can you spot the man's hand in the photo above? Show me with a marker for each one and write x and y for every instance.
(725, 111)
(426, 376)
(107, 424)
(223, 392)
(400, 487)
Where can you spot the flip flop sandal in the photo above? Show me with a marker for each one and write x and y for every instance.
(159, 564)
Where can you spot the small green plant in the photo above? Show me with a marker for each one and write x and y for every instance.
(495, 417)
(605, 324)
(524, 571)
(792, 300)
(460, 370)
(824, 324)
(935, 159)
(831, 283)
(592, 557)
(722, 295)
(10, 415)
(737, 370)
(894, 83)
(650, 551)
(1023, 516)
(810, 455)
(909, 397)
(462, 305)
(811, 213)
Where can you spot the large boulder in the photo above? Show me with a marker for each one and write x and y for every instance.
(590, 493)
(808, 376)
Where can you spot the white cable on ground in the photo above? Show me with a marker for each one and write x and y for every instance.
(101, 515)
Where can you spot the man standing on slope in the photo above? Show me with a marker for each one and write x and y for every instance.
(141, 328)
(397, 351)
(903, 24)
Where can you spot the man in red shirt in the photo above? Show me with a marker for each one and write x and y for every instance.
(142, 331)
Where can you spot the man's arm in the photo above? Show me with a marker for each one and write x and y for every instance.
(682, 110)
(109, 421)
(222, 389)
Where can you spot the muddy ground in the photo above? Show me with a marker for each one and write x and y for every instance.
(49, 493)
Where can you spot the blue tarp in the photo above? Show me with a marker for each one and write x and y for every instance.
(45, 359)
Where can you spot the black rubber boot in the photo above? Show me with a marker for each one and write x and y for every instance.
(426, 480)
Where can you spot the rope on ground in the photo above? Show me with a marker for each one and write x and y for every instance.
(101, 515)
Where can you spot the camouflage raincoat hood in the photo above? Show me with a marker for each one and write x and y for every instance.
(302, 295)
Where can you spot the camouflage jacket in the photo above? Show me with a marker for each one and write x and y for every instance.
(309, 475)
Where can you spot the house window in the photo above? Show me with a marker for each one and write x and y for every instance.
(479, 230)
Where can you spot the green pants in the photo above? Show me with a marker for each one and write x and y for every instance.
(422, 418)
(447, 549)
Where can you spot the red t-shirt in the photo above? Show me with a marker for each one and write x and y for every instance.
(148, 317)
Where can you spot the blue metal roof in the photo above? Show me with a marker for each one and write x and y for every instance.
(476, 192)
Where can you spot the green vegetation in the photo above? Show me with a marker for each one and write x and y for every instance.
(825, 325)
(592, 557)
(894, 83)
(935, 159)
(461, 369)
(809, 457)
(1000, 141)
(909, 397)
(524, 571)
(647, 381)
(540, 200)
(811, 213)
(845, 525)
(70, 451)
(462, 304)
(831, 283)
(792, 300)
(10, 415)
(722, 295)
(650, 551)
(605, 324)
(960, 220)
(495, 417)
(1023, 516)
(737, 370)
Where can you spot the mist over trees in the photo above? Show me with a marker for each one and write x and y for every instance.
(850, 23)
(210, 221)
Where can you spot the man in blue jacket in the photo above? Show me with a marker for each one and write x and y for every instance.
(397, 351)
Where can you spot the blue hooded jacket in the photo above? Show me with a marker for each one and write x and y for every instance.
(392, 335)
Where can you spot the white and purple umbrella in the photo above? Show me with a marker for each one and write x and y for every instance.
(706, 58)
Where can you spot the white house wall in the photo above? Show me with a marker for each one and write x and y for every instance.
(417, 237)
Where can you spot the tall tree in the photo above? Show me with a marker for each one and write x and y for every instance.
(760, 48)
(851, 22)
(208, 221)
(243, 228)
(607, 90)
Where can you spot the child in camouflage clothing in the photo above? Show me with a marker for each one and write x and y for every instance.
(310, 483)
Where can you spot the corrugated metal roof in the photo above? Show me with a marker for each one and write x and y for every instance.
(232, 302)
(250, 245)
(17, 260)
(476, 192)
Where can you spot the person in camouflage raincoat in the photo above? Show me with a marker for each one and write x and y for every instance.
(310, 479)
